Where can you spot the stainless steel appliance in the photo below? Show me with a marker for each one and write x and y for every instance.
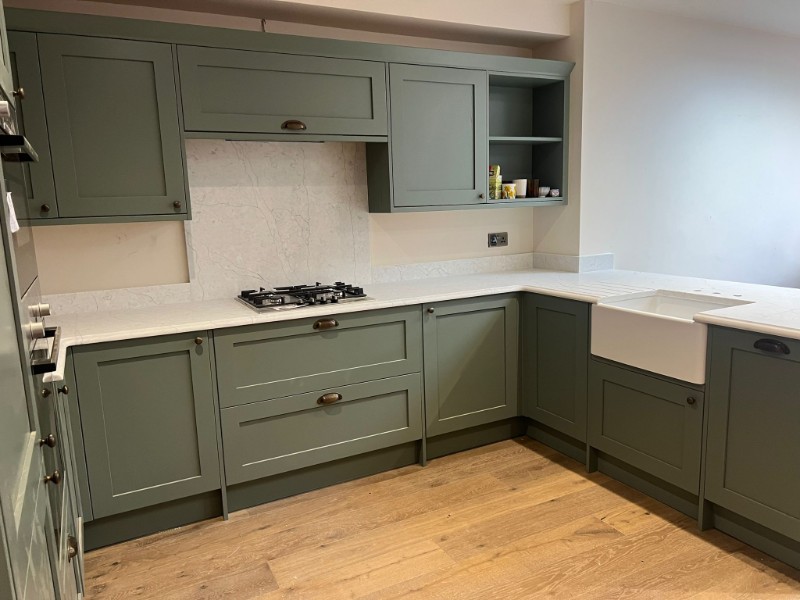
(297, 296)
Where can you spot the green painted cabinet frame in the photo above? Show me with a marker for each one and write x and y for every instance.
(439, 133)
(555, 363)
(471, 350)
(35, 198)
(6, 78)
(112, 115)
(148, 421)
(753, 447)
(258, 92)
(649, 422)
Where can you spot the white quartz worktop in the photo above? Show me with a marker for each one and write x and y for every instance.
(773, 310)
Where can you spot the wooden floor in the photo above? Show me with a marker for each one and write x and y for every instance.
(510, 520)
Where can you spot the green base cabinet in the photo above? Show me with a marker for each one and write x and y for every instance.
(284, 434)
(148, 421)
(555, 363)
(471, 350)
(753, 448)
(650, 423)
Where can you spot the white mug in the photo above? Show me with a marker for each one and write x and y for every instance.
(522, 187)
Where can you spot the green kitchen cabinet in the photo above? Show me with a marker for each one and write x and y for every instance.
(112, 119)
(293, 432)
(6, 77)
(238, 91)
(753, 446)
(555, 363)
(471, 354)
(438, 137)
(648, 422)
(273, 360)
(31, 184)
(148, 421)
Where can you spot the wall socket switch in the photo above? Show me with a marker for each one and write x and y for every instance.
(498, 239)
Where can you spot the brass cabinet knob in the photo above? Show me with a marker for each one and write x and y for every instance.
(19, 93)
(329, 398)
(690, 400)
(55, 478)
(293, 125)
(198, 341)
(46, 392)
(64, 389)
(45, 208)
(323, 324)
(49, 441)
(72, 548)
(481, 195)
(177, 204)
(431, 310)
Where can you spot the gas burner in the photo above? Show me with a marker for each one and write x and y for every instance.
(295, 296)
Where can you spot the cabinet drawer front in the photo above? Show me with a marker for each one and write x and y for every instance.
(283, 359)
(471, 363)
(647, 422)
(112, 116)
(753, 449)
(256, 92)
(148, 421)
(284, 434)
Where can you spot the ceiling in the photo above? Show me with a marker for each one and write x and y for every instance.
(777, 16)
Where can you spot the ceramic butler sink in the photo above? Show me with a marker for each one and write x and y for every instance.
(656, 331)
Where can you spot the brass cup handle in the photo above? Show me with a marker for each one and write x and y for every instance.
(49, 441)
(72, 548)
(294, 125)
(329, 398)
(63, 390)
(323, 324)
(55, 478)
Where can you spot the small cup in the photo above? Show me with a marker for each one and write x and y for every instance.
(555, 193)
(543, 191)
(509, 191)
(522, 187)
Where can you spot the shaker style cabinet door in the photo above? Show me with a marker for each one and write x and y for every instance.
(439, 136)
(31, 184)
(471, 362)
(753, 448)
(112, 115)
(147, 415)
(263, 92)
(6, 79)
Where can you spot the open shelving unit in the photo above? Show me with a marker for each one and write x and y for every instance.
(527, 124)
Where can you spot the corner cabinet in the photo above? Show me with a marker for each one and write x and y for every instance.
(471, 356)
(753, 447)
(148, 420)
(439, 152)
(555, 363)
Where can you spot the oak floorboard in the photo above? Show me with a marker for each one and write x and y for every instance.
(509, 520)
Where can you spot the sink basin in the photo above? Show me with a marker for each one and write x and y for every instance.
(656, 331)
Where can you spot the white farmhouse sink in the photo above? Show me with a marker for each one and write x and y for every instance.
(655, 331)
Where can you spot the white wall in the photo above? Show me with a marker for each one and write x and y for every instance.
(690, 146)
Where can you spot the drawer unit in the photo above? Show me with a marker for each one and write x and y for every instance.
(275, 436)
(262, 92)
(650, 423)
(267, 361)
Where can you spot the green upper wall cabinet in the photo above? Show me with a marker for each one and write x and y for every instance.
(260, 92)
(112, 114)
(471, 362)
(555, 363)
(31, 184)
(753, 447)
(438, 137)
(148, 420)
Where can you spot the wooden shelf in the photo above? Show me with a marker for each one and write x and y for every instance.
(531, 141)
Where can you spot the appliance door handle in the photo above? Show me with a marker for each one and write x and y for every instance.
(772, 346)
(49, 364)
(324, 324)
